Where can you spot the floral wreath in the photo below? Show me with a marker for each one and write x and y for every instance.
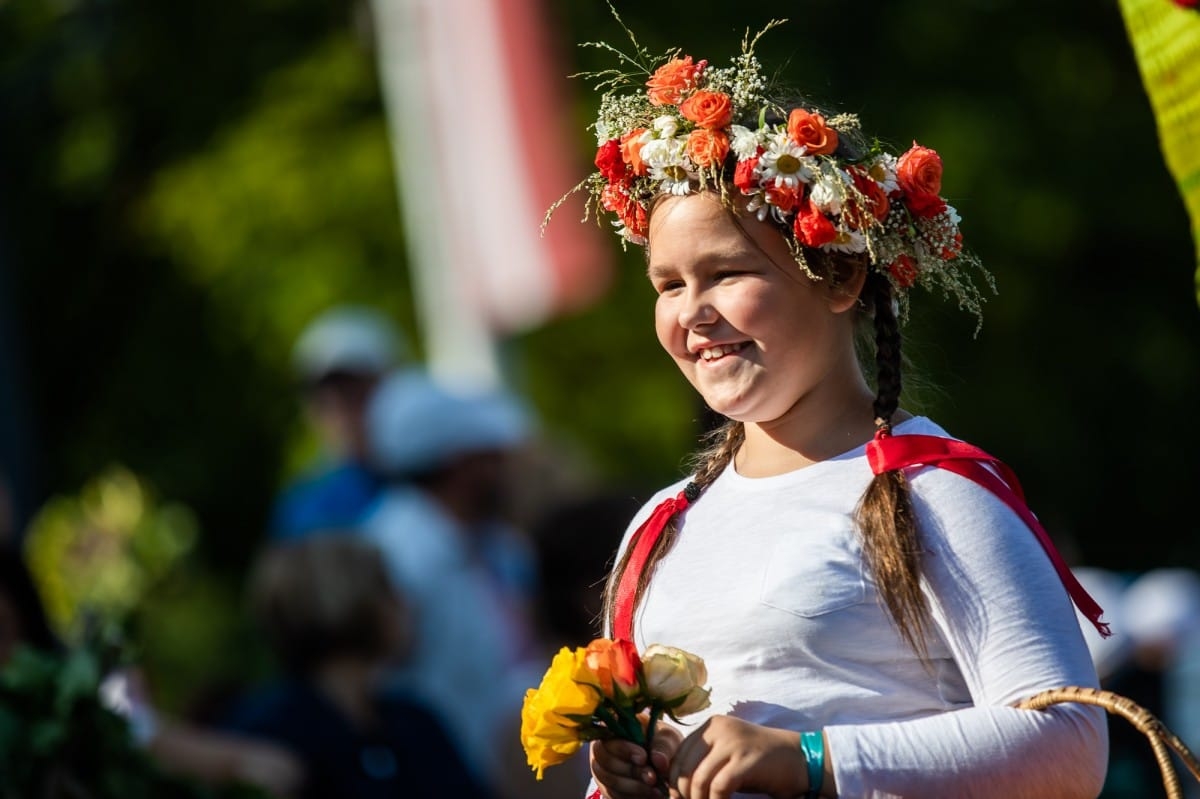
(677, 132)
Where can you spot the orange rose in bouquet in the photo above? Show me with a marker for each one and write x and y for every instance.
(608, 690)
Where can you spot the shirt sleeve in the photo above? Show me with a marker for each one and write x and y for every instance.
(997, 602)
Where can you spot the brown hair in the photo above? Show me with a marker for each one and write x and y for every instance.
(321, 596)
(884, 515)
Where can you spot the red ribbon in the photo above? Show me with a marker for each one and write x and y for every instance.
(888, 453)
(642, 544)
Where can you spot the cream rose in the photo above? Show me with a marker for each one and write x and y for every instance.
(675, 677)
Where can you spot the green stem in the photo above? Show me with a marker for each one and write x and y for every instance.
(609, 718)
(656, 713)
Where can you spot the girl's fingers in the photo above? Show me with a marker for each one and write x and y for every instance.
(621, 770)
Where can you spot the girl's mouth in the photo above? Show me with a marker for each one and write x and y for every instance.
(720, 351)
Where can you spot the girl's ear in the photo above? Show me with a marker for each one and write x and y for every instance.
(844, 295)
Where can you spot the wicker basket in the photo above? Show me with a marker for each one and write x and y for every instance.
(1161, 739)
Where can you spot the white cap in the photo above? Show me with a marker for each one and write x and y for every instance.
(415, 425)
(348, 338)
(1108, 589)
(1162, 606)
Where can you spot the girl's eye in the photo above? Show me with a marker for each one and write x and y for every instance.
(669, 285)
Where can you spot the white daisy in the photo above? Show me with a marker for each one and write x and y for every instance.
(883, 171)
(673, 178)
(785, 163)
(849, 241)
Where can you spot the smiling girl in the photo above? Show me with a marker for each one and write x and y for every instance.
(870, 595)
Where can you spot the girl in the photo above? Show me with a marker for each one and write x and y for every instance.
(869, 599)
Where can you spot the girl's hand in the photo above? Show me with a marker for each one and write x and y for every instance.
(726, 755)
(622, 770)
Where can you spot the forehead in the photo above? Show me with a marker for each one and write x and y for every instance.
(694, 224)
(696, 228)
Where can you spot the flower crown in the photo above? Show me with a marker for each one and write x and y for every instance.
(813, 176)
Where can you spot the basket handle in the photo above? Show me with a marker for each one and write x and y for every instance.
(1162, 740)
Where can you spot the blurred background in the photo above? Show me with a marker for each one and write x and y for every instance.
(185, 185)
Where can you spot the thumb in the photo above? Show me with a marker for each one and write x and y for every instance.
(663, 747)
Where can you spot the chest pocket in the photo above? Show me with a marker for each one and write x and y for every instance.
(812, 575)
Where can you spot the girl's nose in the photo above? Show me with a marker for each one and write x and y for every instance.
(696, 310)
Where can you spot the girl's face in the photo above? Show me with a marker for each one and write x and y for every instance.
(747, 328)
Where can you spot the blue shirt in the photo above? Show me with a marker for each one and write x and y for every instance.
(332, 498)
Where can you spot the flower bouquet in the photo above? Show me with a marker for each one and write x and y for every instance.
(608, 690)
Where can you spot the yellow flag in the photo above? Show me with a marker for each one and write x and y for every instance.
(1166, 42)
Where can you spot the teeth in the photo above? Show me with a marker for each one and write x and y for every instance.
(712, 353)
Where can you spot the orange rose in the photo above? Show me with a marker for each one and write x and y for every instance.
(631, 151)
(809, 130)
(614, 197)
(608, 160)
(919, 171)
(743, 175)
(707, 147)
(615, 666)
(877, 201)
(672, 79)
(925, 205)
(632, 213)
(903, 271)
(707, 109)
(783, 197)
(812, 228)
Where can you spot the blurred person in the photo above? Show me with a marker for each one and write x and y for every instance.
(573, 539)
(1161, 612)
(338, 359)
(177, 746)
(468, 574)
(333, 619)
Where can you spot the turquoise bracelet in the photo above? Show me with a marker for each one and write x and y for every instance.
(812, 744)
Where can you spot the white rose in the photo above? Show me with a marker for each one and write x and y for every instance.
(676, 678)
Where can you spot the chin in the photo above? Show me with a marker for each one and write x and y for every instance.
(736, 411)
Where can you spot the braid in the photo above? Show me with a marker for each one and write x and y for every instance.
(708, 465)
(890, 543)
(887, 350)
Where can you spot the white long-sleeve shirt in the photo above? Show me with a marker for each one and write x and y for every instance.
(766, 582)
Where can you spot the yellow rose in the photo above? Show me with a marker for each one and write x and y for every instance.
(554, 713)
(547, 738)
(675, 677)
(563, 691)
